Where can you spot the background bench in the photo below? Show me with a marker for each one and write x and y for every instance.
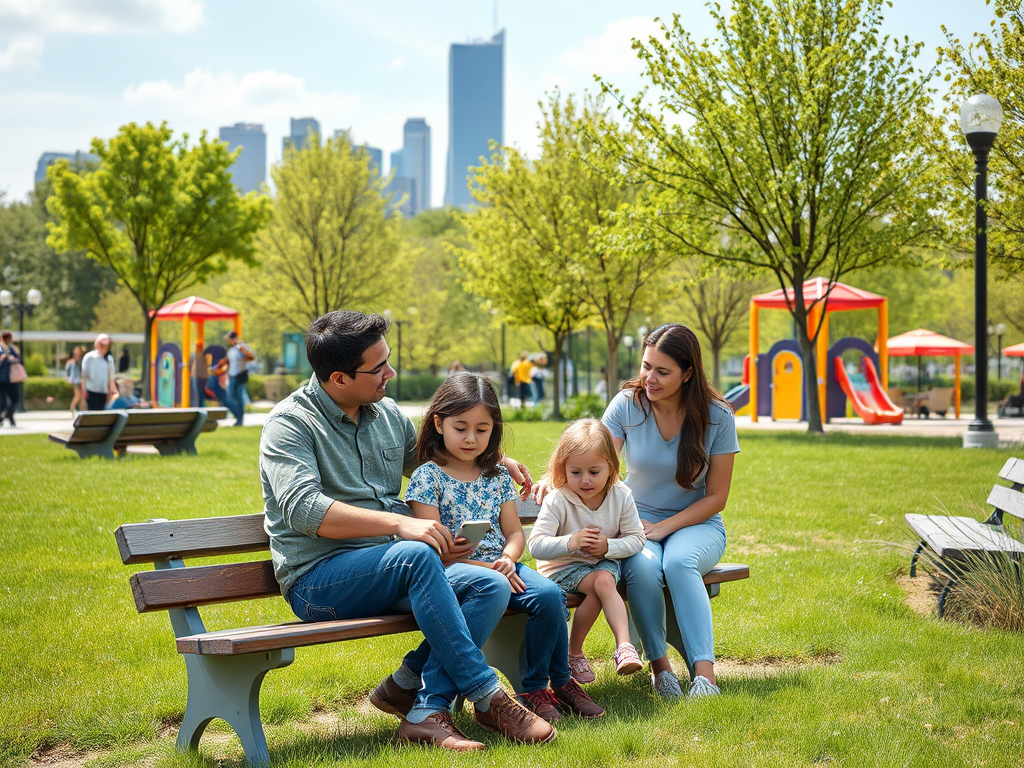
(955, 540)
(226, 667)
(169, 430)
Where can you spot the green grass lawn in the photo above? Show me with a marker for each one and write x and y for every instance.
(859, 679)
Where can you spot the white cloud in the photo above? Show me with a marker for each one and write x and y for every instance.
(611, 53)
(397, 63)
(99, 17)
(257, 96)
(23, 53)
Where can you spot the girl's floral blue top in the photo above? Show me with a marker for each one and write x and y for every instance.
(458, 501)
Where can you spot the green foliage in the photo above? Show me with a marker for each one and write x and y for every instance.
(799, 130)
(527, 413)
(583, 407)
(329, 244)
(35, 365)
(415, 386)
(257, 384)
(45, 394)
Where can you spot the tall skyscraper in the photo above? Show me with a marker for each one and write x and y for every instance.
(416, 161)
(396, 163)
(249, 170)
(76, 159)
(302, 127)
(376, 158)
(476, 110)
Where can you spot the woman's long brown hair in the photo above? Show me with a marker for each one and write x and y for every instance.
(697, 395)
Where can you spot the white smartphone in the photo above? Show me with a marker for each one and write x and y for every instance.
(474, 530)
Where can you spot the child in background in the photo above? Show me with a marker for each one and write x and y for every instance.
(460, 480)
(585, 526)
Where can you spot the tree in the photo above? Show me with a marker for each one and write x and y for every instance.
(161, 213)
(799, 130)
(329, 244)
(992, 64)
(528, 237)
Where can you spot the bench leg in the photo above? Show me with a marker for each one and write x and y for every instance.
(505, 649)
(913, 560)
(105, 447)
(187, 443)
(945, 591)
(228, 687)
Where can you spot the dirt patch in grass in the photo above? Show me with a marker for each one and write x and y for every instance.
(770, 665)
(921, 593)
(64, 756)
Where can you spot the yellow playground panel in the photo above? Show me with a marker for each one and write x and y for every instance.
(787, 386)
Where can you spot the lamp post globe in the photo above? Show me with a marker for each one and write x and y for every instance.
(980, 119)
(34, 297)
(6, 298)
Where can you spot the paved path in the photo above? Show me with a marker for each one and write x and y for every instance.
(1011, 431)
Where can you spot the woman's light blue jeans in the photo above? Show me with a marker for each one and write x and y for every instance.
(456, 609)
(680, 562)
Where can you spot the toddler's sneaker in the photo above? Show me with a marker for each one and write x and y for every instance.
(627, 660)
(701, 687)
(580, 669)
(666, 684)
(541, 703)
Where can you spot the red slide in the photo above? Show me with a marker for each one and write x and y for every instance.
(873, 405)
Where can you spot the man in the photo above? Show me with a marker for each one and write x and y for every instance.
(344, 545)
(98, 385)
(522, 374)
(238, 355)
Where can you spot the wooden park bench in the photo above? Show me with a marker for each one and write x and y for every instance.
(169, 430)
(955, 540)
(226, 667)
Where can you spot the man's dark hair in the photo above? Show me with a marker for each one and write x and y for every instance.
(336, 341)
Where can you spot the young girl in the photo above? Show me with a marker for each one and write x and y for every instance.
(461, 479)
(585, 526)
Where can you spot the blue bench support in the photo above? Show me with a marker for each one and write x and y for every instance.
(105, 447)
(187, 443)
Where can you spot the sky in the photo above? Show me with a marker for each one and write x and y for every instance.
(71, 70)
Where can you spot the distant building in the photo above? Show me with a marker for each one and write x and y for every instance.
(301, 129)
(376, 158)
(476, 110)
(396, 163)
(416, 161)
(403, 192)
(76, 159)
(249, 171)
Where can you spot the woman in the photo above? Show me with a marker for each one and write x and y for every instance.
(73, 374)
(8, 389)
(679, 438)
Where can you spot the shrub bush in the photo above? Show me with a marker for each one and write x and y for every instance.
(583, 407)
(523, 414)
(38, 388)
(35, 365)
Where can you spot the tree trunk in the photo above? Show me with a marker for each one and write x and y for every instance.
(716, 377)
(556, 359)
(810, 376)
(147, 364)
(611, 372)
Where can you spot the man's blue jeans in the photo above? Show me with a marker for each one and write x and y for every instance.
(547, 632)
(456, 609)
(235, 402)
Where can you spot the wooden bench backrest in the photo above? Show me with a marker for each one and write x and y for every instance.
(144, 424)
(1010, 500)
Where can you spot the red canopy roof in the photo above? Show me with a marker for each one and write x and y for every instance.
(196, 308)
(1017, 350)
(927, 343)
(840, 298)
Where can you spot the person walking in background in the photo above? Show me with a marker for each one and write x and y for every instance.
(98, 366)
(200, 372)
(124, 362)
(522, 376)
(9, 357)
(238, 355)
(73, 375)
(537, 376)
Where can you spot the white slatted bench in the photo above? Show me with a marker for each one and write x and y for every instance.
(169, 430)
(955, 539)
(226, 667)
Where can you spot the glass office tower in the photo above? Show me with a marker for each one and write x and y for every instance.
(249, 170)
(476, 110)
(416, 161)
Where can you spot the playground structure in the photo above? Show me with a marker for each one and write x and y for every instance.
(925, 343)
(773, 383)
(170, 365)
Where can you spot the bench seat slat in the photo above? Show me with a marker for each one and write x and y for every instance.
(298, 634)
(197, 537)
(953, 536)
(1013, 471)
(1008, 500)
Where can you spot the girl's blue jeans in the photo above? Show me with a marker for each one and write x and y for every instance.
(678, 561)
(547, 632)
(456, 609)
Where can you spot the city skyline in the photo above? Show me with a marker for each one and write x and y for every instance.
(69, 73)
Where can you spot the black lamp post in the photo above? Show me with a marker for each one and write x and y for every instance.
(33, 299)
(980, 119)
(629, 341)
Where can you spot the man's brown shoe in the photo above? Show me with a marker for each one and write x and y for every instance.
(438, 730)
(514, 721)
(541, 703)
(575, 699)
(389, 697)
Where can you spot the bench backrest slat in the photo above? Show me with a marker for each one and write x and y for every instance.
(1008, 500)
(95, 419)
(1013, 470)
(203, 585)
(198, 537)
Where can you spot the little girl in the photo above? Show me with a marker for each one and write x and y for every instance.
(460, 480)
(586, 525)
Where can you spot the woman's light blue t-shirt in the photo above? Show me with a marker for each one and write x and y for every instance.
(652, 460)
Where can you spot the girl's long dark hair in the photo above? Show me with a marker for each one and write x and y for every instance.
(697, 395)
(457, 394)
